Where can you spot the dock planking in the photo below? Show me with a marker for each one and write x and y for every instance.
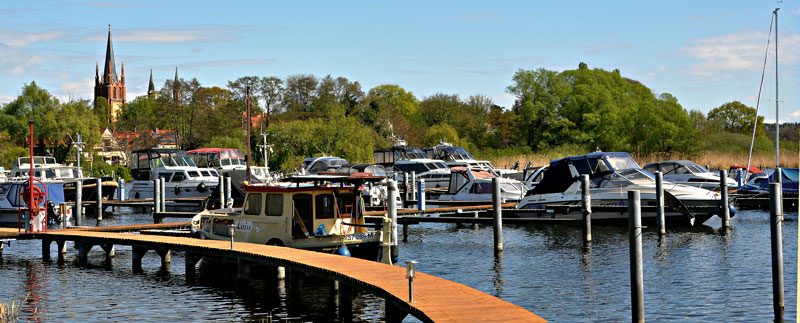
(435, 299)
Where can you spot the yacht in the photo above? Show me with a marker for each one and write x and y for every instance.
(182, 176)
(315, 165)
(46, 169)
(612, 175)
(435, 172)
(686, 172)
(316, 212)
(455, 156)
(473, 186)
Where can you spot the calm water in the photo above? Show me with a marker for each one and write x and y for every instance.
(694, 275)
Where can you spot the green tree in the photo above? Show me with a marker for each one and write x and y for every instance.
(539, 96)
(736, 117)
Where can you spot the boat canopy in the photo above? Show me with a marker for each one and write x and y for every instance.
(160, 157)
(217, 157)
(565, 171)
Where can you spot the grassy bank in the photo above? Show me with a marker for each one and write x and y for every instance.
(714, 159)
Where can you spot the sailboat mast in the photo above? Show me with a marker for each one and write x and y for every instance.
(777, 122)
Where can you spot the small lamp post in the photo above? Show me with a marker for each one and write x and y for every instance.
(411, 272)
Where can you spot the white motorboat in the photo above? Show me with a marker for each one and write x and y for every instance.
(435, 172)
(459, 157)
(473, 186)
(686, 172)
(612, 175)
(183, 178)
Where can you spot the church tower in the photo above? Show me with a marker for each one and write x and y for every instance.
(151, 88)
(176, 90)
(109, 85)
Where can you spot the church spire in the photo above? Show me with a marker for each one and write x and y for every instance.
(109, 68)
(151, 88)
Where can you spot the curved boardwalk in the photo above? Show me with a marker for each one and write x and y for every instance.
(435, 299)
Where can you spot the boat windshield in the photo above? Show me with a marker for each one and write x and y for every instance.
(162, 159)
(409, 153)
(696, 169)
(620, 162)
(623, 178)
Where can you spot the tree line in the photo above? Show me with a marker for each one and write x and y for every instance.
(305, 115)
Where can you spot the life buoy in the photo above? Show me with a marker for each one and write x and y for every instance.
(36, 193)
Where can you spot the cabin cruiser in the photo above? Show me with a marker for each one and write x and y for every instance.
(386, 157)
(612, 175)
(316, 212)
(46, 169)
(230, 162)
(435, 172)
(182, 176)
(789, 183)
(686, 172)
(473, 186)
(458, 157)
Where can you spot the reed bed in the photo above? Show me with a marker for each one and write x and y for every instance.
(9, 312)
(712, 159)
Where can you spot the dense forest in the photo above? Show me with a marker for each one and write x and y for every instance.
(575, 111)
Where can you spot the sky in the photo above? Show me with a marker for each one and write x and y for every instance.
(705, 53)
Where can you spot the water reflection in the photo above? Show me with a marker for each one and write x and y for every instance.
(498, 280)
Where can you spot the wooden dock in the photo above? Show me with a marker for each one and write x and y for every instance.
(435, 299)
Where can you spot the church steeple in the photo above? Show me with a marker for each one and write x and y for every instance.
(176, 89)
(151, 88)
(108, 85)
(109, 68)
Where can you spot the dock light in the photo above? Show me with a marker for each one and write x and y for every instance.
(411, 272)
(230, 231)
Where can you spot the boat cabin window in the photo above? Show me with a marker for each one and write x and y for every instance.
(325, 206)
(319, 166)
(205, 173)
(457, 181)
(669, 168)
(194, 174)
(345, 204)
(274, 205)
(481, 188)
(252, 206)
(177, 177)
(582, 166)
(142, 160)
(165, 176)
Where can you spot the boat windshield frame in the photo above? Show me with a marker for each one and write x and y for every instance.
(623, 178)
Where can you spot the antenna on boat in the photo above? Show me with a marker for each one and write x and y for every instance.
(267, 149)
(79, 147)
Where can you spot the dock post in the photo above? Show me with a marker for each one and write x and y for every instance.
(99, 188)
(109, 249)
(475, 225)
(345, 302)
(498, 217)
(635, 233)
(83, 251)
(156, 200)
(163, 195)
(660, 220)
(166, 258)
(221, 187)
(776, 239)
(421, 194)
(62, 249)
(78, 203)
(190, 261)
(414, 184)
(46, 249)
(137, 254)
(121, 190)
(739, 179)
(406, 188)
(723, 198)
(405, 232)
(228, 195)
(586, 205)
(392, 201)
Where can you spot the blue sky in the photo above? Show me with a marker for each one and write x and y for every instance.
(705, 53)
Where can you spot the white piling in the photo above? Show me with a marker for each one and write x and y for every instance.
(99, 188)
(498, 217)
(586, 205)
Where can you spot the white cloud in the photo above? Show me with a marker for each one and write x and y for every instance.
(4, 98)
(505, 100)
(185, 35)
(83, 88)
(16, 38)
(737, 52)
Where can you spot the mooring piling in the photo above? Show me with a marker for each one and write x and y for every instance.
(99, 189)
(392, 206)
(586, 205)
(164, 194)
(723, 198)
(121, 189)
(498, 216)
(156, 196)
(221, 187)
(421, 194)
(228, 196)
(635, 233)
(78, 203)
(776, 241)
(660, 220)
